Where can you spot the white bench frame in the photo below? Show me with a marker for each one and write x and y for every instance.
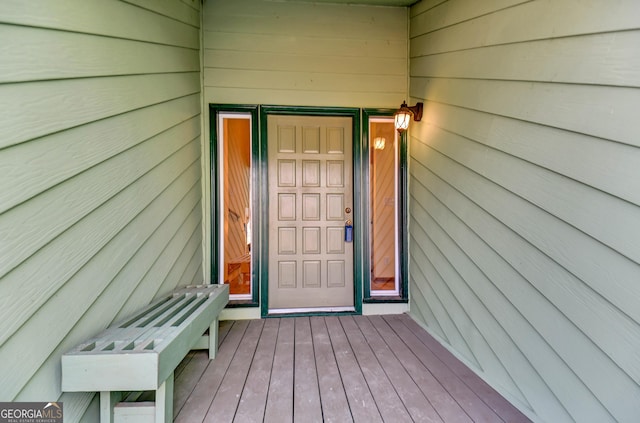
(141, 353)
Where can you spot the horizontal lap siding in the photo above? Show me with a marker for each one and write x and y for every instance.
(524, 203)
(100, 195)
(262, 52)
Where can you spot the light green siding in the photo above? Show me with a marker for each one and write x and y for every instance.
(302, 54)
(524, 204)
(100, 196)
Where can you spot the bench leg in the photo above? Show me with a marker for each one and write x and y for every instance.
(164, 401)
(213, 339)
(107, 401)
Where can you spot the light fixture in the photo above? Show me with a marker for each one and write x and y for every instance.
(403, 115)
(378, 143)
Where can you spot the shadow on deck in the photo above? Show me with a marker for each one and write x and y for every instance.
(339, 369)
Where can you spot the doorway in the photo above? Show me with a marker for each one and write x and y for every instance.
(310, 174)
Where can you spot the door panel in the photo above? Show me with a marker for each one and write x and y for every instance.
(310, 186)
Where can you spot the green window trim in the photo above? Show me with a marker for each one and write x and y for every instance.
(403, 296)
(214, 189)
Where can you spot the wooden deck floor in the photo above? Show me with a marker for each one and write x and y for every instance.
(333, 369)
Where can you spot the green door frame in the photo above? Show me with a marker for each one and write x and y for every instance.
(358, 225)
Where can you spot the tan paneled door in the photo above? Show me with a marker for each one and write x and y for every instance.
(310, 200)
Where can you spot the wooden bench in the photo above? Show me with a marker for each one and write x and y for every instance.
(141, 353)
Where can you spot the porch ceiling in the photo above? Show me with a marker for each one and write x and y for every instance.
(400, 3)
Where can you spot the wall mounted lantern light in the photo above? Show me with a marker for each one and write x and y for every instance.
(403, 115)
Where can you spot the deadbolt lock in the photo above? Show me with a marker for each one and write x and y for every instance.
(347, 210)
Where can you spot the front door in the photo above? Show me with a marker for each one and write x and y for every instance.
(310, 201)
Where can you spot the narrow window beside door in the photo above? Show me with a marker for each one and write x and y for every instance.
(235, 214)
(384, 195)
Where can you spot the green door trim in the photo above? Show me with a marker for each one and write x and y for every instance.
(403, 216)
(263, 200)
(214, 189)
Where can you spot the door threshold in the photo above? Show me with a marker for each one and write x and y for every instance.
(275, 311)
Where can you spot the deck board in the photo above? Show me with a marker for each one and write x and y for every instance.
(224, 405)
(472, 392)
(387, 400)
(417, 404)
(254, 396)
(335, 407)
(279, 407)
(306, 394)
(346, 368)
(186, 380)
(198, 403)
(363, 407)
(443, 403)
(188, 373)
